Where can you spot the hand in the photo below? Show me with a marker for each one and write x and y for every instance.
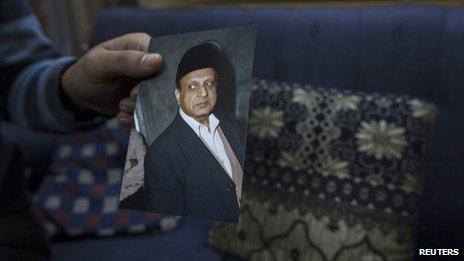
(127, 106)
(105, 76)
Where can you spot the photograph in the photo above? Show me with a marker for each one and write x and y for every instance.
(187, 148)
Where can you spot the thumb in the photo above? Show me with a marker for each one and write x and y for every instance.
(130, 63)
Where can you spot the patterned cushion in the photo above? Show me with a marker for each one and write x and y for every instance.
(330, 175)
(80, 194)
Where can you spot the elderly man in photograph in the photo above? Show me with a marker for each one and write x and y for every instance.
(195, 167)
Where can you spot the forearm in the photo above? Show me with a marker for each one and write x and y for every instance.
(30, 74)
(38, 89)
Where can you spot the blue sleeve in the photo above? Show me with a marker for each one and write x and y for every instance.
(30, 73)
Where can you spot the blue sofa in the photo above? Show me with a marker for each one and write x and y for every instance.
(399, 49)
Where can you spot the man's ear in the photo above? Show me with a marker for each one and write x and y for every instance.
(177, 94)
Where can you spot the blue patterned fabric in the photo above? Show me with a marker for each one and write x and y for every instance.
(80, 194)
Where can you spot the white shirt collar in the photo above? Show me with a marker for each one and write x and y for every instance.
(196, 126)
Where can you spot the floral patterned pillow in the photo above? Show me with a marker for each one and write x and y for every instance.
(330, 175)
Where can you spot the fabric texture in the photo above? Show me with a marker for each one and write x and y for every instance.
(30, 73)
(185, 243)
(236, 166)
(80, 194)
(201, 56)
(210, 136)
(30, 96)
(182, 177)
(330, 175)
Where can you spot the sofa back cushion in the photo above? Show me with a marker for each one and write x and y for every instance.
(384, 49)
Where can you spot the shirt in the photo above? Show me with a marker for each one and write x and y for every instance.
(30, 93)
(210, 137)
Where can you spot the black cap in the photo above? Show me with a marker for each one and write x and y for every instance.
(200, 56)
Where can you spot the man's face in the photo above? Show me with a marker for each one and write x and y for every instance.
(197, 93)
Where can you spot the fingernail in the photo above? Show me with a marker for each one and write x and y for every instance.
(150, 59)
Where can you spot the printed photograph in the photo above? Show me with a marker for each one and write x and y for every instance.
(187, 148)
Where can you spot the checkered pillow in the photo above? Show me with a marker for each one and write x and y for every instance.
(80, 194)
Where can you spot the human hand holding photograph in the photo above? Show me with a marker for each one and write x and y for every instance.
(186, 153)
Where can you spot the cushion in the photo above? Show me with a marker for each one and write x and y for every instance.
(80, 194)
(330, 175)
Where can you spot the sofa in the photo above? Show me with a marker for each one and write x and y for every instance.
(394, 49)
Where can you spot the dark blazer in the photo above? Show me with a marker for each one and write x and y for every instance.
(182, 177)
